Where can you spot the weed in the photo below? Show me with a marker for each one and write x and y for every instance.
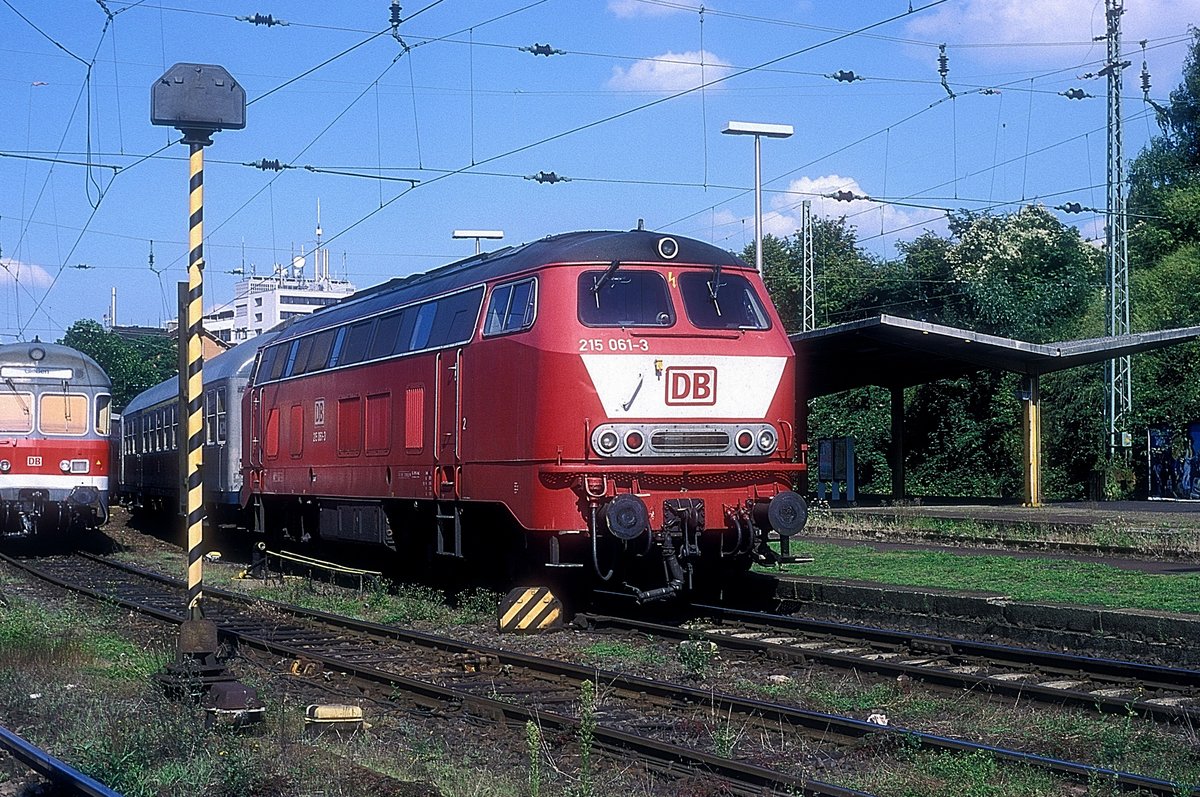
(696, 656)
(606, 651)
(587, 735)
(533, 739)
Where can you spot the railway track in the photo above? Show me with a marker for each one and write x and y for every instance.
(647, 718)
(1169, 694)
(66, 779)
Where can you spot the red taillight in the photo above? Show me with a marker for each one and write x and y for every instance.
(634, 442)
(744, 440)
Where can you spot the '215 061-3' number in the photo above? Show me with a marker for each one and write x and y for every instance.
(613, 344)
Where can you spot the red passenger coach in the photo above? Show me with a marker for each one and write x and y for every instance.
(615, 405)
(55, 411)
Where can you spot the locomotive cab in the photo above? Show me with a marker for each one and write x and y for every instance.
(55, 417)
(683, 416)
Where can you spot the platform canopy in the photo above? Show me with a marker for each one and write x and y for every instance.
(896, 353)
(890, 351)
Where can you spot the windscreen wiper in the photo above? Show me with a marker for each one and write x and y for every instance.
(12, 386)
(714, 287)
(603, 278)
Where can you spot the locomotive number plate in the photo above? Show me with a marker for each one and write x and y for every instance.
(613, 344)
(34, 462)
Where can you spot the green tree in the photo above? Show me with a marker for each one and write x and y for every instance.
(132, 365)
(1164, 247)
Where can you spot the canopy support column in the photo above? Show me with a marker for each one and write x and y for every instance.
(1032, 437)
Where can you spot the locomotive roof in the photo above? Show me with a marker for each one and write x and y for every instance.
(633, 246)
(231, 363)
(86, 371)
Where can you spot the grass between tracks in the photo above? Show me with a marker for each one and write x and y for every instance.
(1117, 742)
(1023, 579)
(72, 682)
(1176, 536)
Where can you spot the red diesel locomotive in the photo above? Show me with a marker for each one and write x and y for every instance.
(55, 413)
(615, 405)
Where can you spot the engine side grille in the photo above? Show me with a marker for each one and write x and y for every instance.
(698, 441)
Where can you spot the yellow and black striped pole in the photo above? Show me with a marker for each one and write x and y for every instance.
(195, 385)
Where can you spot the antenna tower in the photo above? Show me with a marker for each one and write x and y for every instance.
(1119, 372)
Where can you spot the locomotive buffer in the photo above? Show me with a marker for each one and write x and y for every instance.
(198, 100)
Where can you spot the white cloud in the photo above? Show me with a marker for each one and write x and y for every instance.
(641, 8)
(869, 217)
(669, 72)
(27, 274)
(1022, 21)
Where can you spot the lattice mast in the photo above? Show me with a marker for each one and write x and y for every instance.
(809, 313)
(1119, 372)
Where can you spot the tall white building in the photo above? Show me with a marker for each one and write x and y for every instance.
(261, 302)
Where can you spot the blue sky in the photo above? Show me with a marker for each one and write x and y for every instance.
(470, 115)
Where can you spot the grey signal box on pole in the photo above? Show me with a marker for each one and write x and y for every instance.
(199, 99)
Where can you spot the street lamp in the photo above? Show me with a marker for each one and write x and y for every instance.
(758, 130)
(478, 235)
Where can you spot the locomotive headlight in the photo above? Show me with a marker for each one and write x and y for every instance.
(65, 466)
(634, 441)
(744, 440)
(607, 441)
(5, 466)
(767, 441)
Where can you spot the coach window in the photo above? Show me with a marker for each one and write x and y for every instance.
(455, 317)
(355, 348)
(103, 414)
(220, 415)
(63, 414)
(339, 340)
(386, 330)
(731, 304)
(616, 297)
(423, 326)
(16, 412)
(210, 417)
(318, 357)
(280, 361)
(299, 356)
(511, 308)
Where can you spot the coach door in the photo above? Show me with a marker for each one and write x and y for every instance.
(447, 445)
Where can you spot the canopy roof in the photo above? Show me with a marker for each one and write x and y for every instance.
(890, 351)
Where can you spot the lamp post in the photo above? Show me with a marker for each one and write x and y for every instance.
(758, 130)
(478, 235)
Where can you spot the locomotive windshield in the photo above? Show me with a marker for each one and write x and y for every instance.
(729, 304)
(624, 298)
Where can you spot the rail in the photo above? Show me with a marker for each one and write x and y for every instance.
(62, 774)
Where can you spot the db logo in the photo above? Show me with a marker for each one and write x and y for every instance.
(695, 386)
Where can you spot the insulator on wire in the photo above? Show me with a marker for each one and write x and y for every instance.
(844, 76)
(262, 19)
(268, 165)
(548, 177)
(542, 49)
(1076, 94)
(395, 18)
(844, 196)
(989, 92)
(1072, 207)
(944, 69)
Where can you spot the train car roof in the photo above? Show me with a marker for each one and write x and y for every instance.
(39, 360)
(231, 363)
(632, 246)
